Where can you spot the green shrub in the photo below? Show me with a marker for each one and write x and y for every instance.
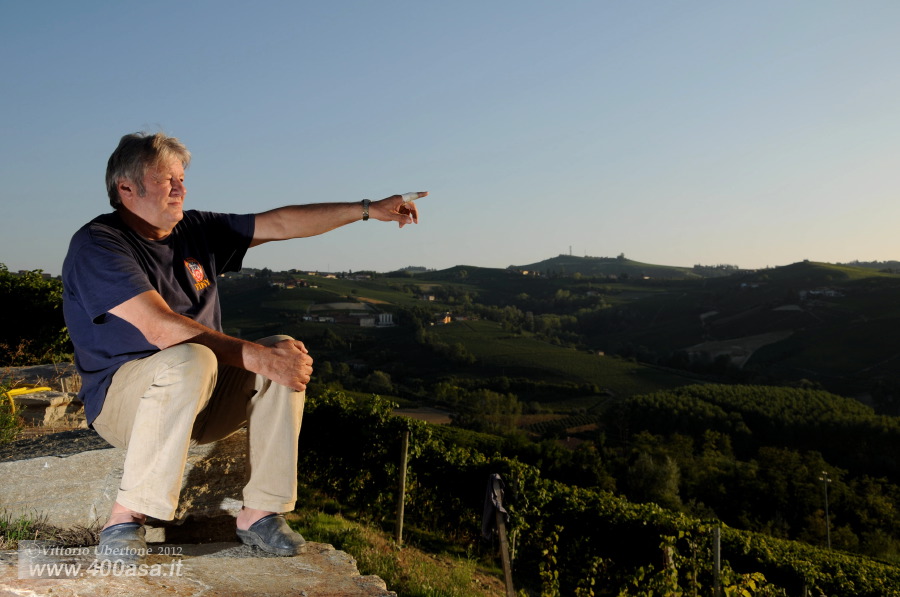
(10, 422)
(32, 329)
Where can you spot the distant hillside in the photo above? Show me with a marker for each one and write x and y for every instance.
(812, 272)
(834, 324)
(622, 267)
(889, 266)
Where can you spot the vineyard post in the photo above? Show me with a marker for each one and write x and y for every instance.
(504, 542)
(401, 498)
(825, 481)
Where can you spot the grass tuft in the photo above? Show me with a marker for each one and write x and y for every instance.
(407, 571)
(22, 528)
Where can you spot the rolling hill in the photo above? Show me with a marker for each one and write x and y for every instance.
(834, 325)
(620, 267)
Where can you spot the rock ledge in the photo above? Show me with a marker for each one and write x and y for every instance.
(210, 570)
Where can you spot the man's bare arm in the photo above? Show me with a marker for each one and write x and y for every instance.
(286, 363)
(298, 221)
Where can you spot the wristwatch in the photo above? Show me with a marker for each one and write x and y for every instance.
(365, 204)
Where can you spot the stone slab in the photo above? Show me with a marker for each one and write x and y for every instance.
(72, 478)
(212, 570)
(51, 409)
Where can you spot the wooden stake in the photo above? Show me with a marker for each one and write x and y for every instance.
(404, 450)
(504, 545)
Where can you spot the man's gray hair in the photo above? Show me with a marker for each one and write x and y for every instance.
(137, 153)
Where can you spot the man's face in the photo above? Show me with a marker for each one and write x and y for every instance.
(160, 206)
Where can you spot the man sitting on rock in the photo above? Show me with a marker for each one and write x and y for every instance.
(142, 309)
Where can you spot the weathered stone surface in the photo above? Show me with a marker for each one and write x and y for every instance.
(212, 570)
(72, 478)
(51, 375)
(58, 408)
(51, 409)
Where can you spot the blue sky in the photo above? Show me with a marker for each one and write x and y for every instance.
(750, 133)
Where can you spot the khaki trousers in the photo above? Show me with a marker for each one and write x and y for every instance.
(158, 406)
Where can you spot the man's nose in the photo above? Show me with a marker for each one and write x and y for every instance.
(178, 188)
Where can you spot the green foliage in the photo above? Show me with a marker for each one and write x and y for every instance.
(568, 540)
(795, 564)
(379, 382)
(548, 572)
(529, 357)
(13, 530)
(368, 434)
(10, 422)
(32, 328)
(756, 416)
(754, 456)
(487, 411)
(655, 481)
(456, 352)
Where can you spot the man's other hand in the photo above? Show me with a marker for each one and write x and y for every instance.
(289, 364)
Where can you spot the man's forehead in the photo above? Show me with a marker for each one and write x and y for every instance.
(165, 168)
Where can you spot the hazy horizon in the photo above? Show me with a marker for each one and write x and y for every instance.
(521, 264)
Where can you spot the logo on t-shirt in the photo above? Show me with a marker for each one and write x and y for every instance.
(196, 271)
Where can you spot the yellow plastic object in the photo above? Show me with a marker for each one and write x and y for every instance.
(20, 391)
(27, 390)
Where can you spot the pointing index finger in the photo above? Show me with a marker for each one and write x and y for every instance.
(407, 197)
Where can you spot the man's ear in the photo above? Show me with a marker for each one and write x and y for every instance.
(126, 189)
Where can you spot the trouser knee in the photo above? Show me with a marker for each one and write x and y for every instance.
(198, 355)
(192, 372)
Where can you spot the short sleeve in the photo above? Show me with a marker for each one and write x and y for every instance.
(105, 273)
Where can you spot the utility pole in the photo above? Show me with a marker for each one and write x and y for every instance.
(825, 481)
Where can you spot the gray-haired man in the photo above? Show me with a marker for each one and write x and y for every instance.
(141, 305)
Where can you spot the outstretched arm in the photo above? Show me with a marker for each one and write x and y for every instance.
(296, 221)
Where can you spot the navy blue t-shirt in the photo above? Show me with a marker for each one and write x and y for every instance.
(108, 263)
